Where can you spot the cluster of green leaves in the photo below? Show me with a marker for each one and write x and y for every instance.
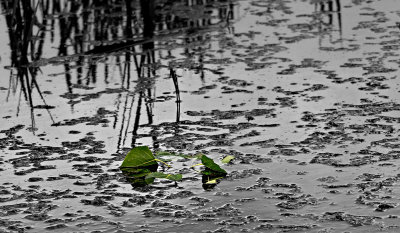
(140, 166)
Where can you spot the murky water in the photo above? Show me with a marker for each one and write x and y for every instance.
(304, 94)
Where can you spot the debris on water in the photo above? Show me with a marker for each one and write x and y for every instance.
(354, 220)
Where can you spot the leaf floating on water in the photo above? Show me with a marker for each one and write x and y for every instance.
(140, 156)
(173, 177)
(210, 164)
(140, 167)
(227, 159)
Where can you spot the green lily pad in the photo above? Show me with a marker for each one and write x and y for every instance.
(173, 177)
(210, 164)
(140, 156)
(227, 159)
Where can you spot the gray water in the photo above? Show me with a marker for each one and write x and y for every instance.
(304, 94)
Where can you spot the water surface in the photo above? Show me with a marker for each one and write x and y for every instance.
(304, 94)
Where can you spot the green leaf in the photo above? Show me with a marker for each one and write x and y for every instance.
(209, 163)
(135, 172)
(176, 177)
(149, 180)
(140, 156)
(227, 159)
(208, 172)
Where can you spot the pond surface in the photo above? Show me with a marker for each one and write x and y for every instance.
(304, 94)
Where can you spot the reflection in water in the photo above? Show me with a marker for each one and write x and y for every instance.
(110, 35)
(331, 9)
(174, 78)
(26, 43)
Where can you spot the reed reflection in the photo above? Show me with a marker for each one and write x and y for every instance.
(331, 20)
(95, 38)
(26, 35)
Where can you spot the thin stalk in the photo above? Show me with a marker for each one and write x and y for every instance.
(177, 93)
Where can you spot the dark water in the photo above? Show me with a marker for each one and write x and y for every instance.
(304, 94)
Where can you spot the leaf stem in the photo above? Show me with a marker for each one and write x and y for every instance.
(199, 164)
(162, 162)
